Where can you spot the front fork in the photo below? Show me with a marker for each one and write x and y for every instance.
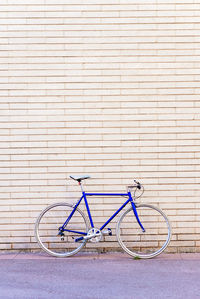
(136, 216)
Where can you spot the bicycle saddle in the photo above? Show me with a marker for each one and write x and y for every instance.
(79, 178)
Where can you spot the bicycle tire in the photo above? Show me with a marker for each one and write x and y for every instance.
(47, 229)
(146, 244)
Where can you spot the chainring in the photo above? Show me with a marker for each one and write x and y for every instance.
(97, 237)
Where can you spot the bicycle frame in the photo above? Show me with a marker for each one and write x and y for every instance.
(84, 196)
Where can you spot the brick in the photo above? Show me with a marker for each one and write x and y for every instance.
(105, 89)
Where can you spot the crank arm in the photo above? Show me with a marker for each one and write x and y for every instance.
(86, 238)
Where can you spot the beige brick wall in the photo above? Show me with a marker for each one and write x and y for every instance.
(109, 88)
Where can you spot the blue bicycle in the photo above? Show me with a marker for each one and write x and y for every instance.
(142, 231)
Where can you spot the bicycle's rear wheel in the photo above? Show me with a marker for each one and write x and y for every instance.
(47, 229)
(144, 244)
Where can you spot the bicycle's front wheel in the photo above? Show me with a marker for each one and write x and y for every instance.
(143, 244)
(47, 229)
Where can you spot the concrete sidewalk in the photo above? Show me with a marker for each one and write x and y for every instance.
(91, 275)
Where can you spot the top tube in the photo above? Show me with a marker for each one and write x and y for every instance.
(106, 194)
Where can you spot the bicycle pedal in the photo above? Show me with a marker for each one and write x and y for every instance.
(107, 232)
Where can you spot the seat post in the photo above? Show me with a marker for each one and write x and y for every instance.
(81, 186)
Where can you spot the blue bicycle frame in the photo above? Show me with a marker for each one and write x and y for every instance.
(84, 196)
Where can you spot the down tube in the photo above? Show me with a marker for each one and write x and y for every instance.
(113, 216)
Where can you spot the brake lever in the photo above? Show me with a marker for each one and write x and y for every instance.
(138, 184)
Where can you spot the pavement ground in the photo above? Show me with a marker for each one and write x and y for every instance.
(99, 276)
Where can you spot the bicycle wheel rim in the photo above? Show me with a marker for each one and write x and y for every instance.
(47, 229)
(146, 244)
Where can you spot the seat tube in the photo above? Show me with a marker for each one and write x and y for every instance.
(88, 209)
(135, 212)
